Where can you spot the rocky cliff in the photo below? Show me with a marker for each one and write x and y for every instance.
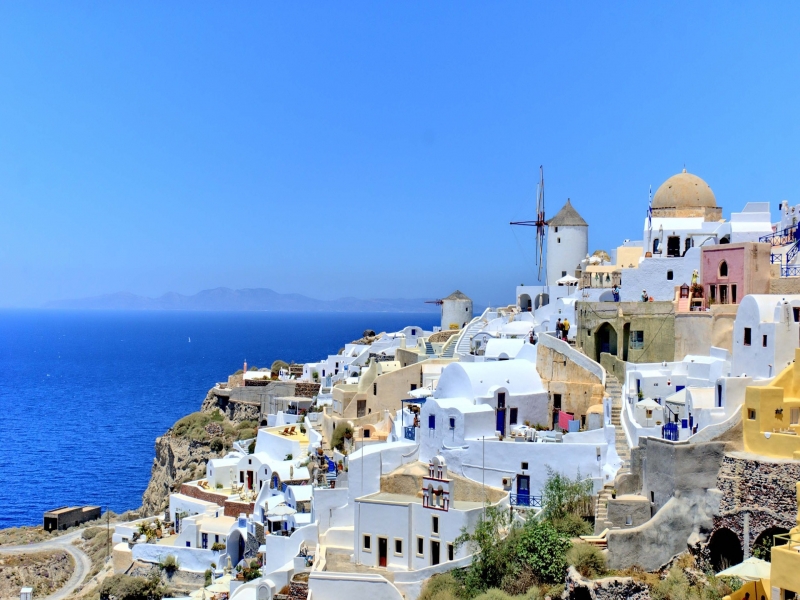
(184, 450)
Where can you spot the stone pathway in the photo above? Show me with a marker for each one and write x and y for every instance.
(614, 391)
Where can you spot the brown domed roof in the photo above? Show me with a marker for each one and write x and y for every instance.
(684, 190)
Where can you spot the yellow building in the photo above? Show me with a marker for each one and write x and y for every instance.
(785, 570)
(771, 415)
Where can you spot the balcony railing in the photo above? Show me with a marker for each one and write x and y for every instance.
(525, 500)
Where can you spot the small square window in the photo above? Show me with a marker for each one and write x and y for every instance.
(512, 416)
(431, 421)
(795, 416)
(751, 414)
(629, 520)
(559, 240)
(747, 336)
(450, 552)
(367, 543)
(637, 340)
(524, 466)
(398, 547)
(452, 422)
(435, 525)
(669, 275)
(420, 546)
(764, 341)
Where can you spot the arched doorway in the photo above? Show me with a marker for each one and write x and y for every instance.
(541, 300)
(763, 543)
(605, 340)
(525, 304)
(724, 549)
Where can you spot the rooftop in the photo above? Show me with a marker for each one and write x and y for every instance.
(567, 217)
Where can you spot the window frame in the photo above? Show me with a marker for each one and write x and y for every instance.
(748, 337)
(435, 525)
(400, 542)
(366, 542)
(420, 546)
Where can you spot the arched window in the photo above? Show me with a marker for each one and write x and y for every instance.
(723, 269)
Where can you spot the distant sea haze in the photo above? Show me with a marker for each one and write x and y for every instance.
(87, 392)
(226, 299)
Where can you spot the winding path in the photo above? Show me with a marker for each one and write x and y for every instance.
(83, 566)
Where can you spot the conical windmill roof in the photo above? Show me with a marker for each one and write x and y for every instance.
(567, 217)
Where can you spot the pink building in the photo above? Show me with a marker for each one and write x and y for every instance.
(729, 272)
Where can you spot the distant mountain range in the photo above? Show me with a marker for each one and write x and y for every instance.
(247, 299)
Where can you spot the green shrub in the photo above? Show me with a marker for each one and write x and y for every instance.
(494, 594)
(246, 424)
(337, 439)
(170, 564)
(288, 457)
(125, 587)
(440, 587)
(193, 426)
(217, 444)
(587, 559)
(252, 447)
(278, 365)
(218, 546)
(90, 532)
(563, 495)
(246, 434)
(572, 525)
(674, 586)
(208, 576)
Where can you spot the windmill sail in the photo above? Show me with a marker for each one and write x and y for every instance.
(540, 223)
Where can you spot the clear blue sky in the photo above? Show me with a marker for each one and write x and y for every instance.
(374, 149)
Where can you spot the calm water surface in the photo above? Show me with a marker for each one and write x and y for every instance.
(83, 395)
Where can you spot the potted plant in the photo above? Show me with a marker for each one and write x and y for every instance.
(614, 493)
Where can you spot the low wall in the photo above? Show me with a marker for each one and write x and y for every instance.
(549, 340)
(613, 365)
(335, 586)
(280, 549)
(195, 560)
(410, 582)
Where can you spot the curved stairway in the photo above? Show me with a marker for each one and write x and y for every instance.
(614, 391)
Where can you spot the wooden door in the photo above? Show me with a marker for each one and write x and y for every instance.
(434, 553)
(383, 549)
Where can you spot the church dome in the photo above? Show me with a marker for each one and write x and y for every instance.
(684, 190)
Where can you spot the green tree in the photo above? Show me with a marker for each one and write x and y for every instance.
(277, 366)
(564, 496)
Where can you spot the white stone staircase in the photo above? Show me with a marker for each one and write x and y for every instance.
(464, 341)
(614, 391)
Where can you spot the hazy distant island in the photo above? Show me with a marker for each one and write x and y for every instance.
(263, 299)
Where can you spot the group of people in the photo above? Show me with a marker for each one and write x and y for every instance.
(562, 329)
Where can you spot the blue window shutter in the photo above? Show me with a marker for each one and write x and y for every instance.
(431, 421)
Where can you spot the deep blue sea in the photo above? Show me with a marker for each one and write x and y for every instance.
(83, 395)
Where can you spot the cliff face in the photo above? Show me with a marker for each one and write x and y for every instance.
(181, 458)
(177, 460)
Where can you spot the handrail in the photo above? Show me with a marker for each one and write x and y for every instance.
(780, 238)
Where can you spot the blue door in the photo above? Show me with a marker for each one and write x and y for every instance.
(523, 490)
(501, 420)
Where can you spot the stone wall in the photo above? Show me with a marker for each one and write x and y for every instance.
(579, 389)
(601, 324)
(784, 285)
(306, 390)
(251, 546)
(195, 492)
(609, 588)
(756, 494)
(234, 509)
(696, 332)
